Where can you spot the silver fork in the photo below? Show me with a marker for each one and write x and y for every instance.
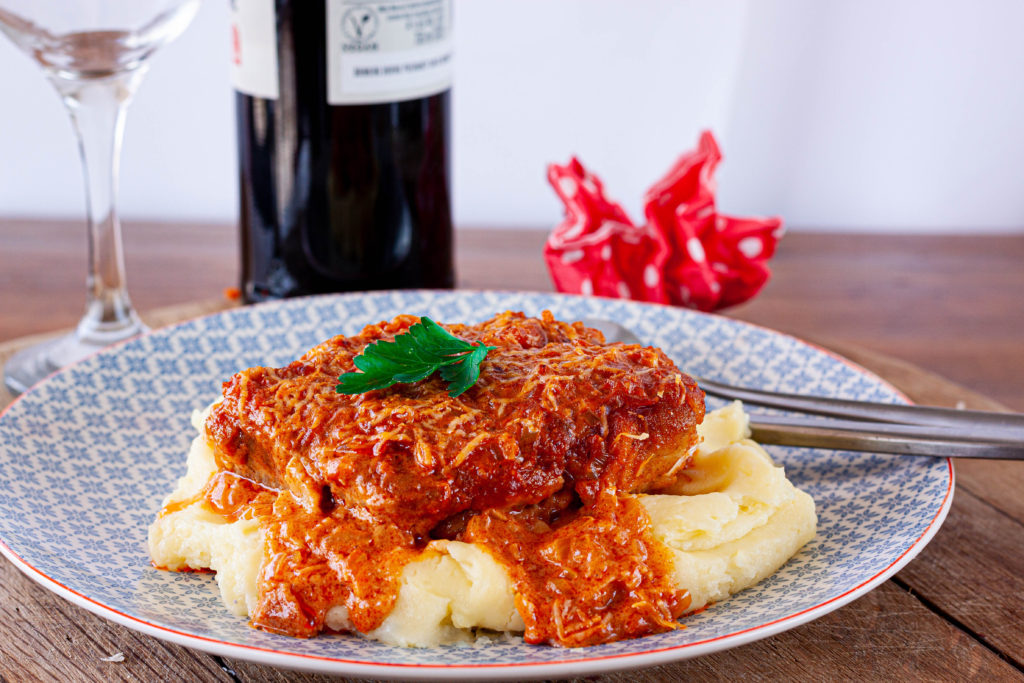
(862, 425)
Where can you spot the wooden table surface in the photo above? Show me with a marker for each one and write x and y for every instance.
(920, 311)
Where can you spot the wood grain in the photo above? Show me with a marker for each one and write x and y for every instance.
(948, 304)
(972, 572)
(45, 638)
(892, 304)
(968, 571)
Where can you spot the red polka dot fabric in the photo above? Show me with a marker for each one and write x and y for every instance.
(686, 254)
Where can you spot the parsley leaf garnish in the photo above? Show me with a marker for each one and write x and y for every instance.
(413, 356)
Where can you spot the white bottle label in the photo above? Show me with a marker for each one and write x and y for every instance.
(387, 51)
(254, 48)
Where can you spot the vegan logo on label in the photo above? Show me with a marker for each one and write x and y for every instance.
(360, 23)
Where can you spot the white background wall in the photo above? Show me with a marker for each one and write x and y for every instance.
(876, 114)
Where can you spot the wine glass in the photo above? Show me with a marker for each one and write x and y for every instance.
(95, 53)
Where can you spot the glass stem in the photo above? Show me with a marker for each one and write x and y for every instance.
(97, 106)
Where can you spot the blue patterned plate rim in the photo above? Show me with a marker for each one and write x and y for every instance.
(569, 665)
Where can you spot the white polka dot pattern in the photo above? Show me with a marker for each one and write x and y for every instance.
(695, 249)
(751, 247)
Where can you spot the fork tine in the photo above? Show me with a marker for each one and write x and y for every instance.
(970, 423)
(881, 437)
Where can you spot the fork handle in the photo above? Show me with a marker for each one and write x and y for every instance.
(976, 424)
(879, 437)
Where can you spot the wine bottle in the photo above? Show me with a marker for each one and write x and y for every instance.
(343, 111)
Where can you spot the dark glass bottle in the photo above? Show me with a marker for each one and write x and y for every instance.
(352, 196)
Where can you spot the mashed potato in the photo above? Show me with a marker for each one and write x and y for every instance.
(732, 520)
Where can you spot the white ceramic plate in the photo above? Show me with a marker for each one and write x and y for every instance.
(87, 456)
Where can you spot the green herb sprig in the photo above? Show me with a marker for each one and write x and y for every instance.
(424, 349)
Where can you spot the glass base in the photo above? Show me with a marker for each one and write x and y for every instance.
(31, 365)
